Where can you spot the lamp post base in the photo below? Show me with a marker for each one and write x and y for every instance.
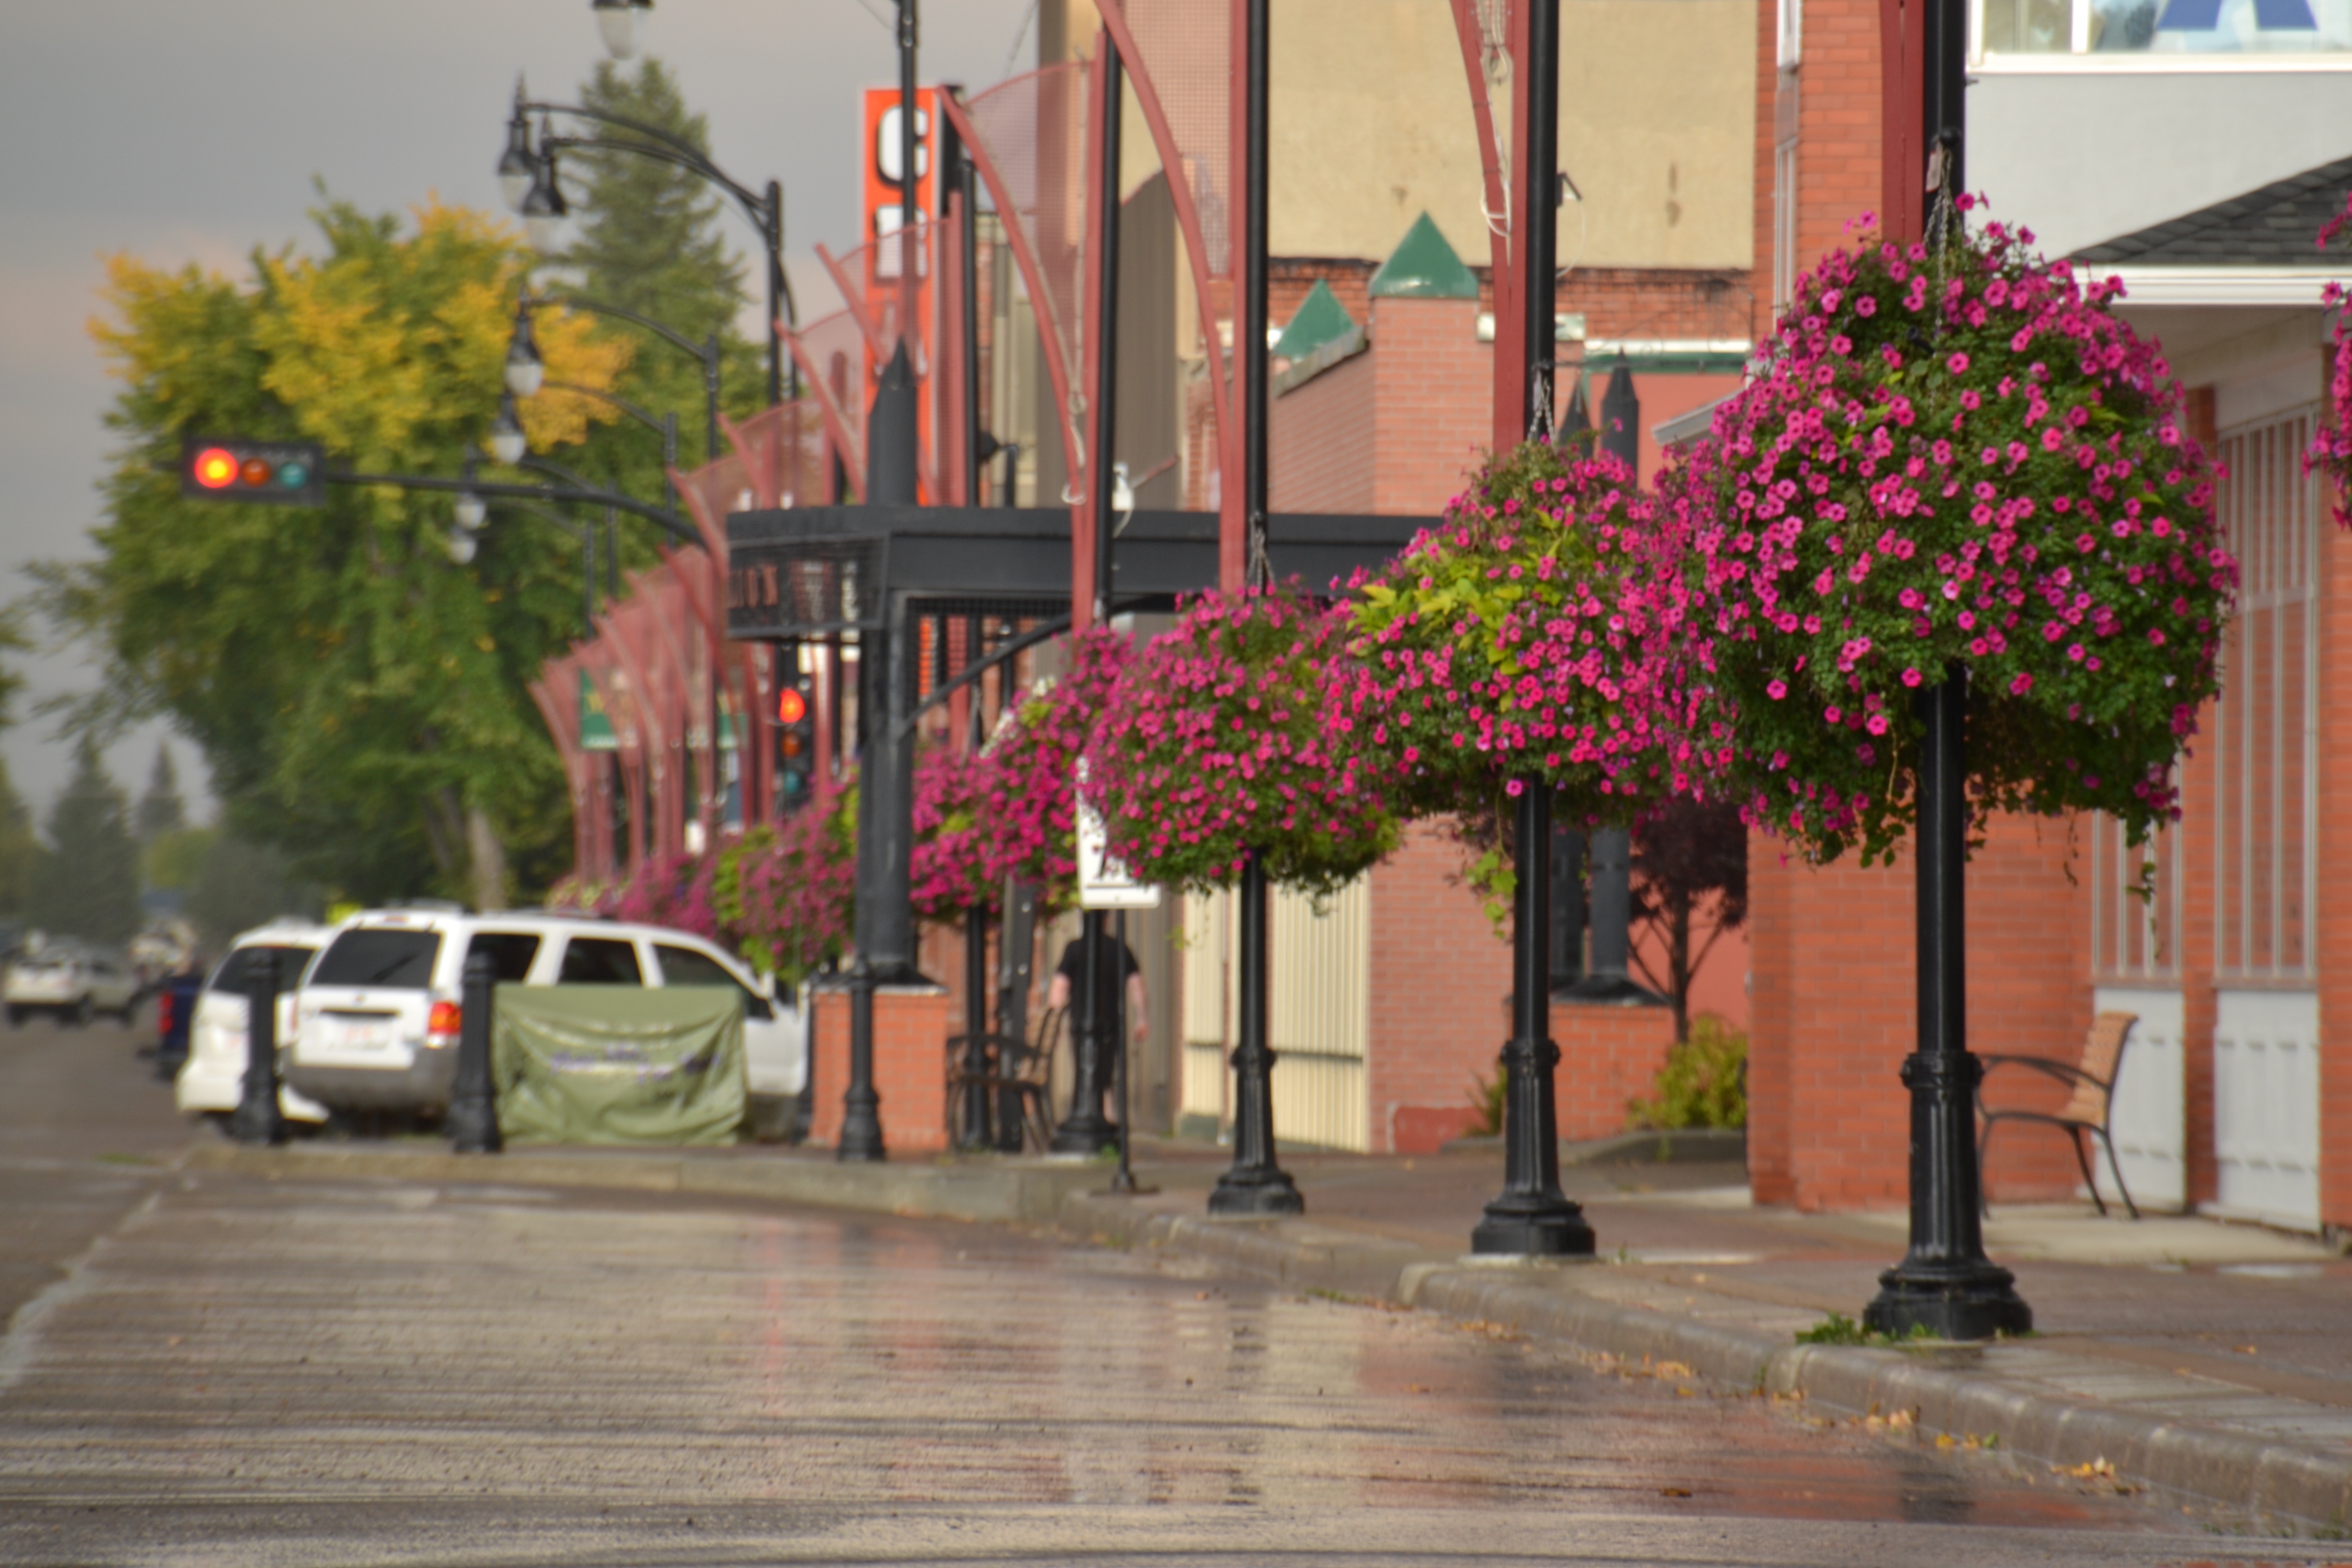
(1516, 1229)
(1970, 1302)
(1258, 1190)
(256, 1121)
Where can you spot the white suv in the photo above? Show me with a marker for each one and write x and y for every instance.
(376, 1021)
(213, 1082)
(71, 983)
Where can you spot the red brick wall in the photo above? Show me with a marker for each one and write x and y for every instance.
(1441, 979)
(1608, 1056)
(1835, 1012)
(1839, 132)
(911, 1030)
(1320, 442)
(2198, 828)
(1433, 382)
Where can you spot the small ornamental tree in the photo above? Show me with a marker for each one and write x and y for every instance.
(1026, 793)
(2331, 443)
(1955, 459)
(1532, 635)
(948, 870)
(1221, 743)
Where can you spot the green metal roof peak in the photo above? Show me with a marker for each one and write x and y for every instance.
(1423, 267)
(1319, 319)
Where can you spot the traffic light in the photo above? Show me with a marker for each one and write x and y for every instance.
(279, 473)
(795, 743)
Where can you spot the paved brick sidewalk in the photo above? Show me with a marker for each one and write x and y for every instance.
(2210, 1359)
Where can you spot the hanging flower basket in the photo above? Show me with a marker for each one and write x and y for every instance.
(1220, 744)
(948, 869)
(786, 895)
(2331, 443)
(670, 891)
(1962, 461)
(1025, 796)
(1532, 635)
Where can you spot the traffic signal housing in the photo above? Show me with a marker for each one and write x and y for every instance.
(274, 473)
(795, 743)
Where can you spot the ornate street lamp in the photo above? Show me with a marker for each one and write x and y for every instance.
(525, 369)
(507, 442)
(620, 21)
(544, 208)
(517, 165)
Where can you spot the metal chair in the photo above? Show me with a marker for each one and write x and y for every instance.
(1014, 1071)
(2090, 1110)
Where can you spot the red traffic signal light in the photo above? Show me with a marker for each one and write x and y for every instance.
(792, 706)
(280, 473)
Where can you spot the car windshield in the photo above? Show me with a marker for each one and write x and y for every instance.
(372, 956)
(236, 971)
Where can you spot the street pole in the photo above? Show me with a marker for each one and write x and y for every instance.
(771, 233)
(1531, 1217)
(968, 188)
(1945, 1283)
(1086, 1129)
(973, 1131)
(1255, 1183)
(473, 1120)
(910, 208)
(257, 1120)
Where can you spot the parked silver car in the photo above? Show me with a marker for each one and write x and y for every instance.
(69, 982)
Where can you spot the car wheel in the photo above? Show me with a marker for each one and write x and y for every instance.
(80, 1014)
(16, 1018)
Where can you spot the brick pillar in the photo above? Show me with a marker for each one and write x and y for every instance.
(910, 1032)
(1432, 381)
(1771, 1035)
(2201, 1174)
(2333, 918)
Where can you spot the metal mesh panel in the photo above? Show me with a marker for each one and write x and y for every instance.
(817, 585)
(1034, 128)
(837, 348)
(1185, 46)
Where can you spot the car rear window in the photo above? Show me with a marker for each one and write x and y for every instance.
(511, 950)
(389, 960)
(600, 961)
(236, 971)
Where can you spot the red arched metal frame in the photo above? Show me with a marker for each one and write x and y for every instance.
(836, 427)
(1510, 353)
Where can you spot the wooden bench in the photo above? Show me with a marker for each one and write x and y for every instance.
(2089, 1110)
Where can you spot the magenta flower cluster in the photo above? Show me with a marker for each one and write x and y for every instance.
(948, 868)
(2331, 443)
(1956, 461)
(671, 890)
(1222, 742)
(1022, 793)
(1536, 635)
(786, 896)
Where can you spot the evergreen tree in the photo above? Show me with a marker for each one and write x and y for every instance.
(651, 238)
(86, 881)
(160, 810)
(19, 849)
(239, 885)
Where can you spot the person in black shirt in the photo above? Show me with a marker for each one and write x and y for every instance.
(1116, 962)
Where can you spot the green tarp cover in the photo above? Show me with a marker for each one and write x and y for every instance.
(615, 1064)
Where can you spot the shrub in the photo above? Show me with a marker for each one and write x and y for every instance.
(1703, 1082)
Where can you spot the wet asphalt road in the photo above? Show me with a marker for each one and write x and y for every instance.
(233, 1371)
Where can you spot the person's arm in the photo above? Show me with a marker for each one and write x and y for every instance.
(1057, 991)
(1139, 1017)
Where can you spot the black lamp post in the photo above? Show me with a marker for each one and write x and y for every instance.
(543, 207)
(1945, 1283)
(258, 1118)
(1255, 1183)
(472, 1121)
(1531, 1215)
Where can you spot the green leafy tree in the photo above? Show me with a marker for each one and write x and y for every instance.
(19, 848)
(360, 695)
(85, 882)
(160, 810)
(651, 238)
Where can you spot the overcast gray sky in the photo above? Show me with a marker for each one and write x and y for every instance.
(191, 133)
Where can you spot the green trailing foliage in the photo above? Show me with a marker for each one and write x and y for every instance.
(1703, 1082)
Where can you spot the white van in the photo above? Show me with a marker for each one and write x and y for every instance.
(212, 1083)
(70, 982)
(377, 1019)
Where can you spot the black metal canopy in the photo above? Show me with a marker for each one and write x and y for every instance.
(808, 570)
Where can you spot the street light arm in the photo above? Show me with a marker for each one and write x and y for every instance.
(623, 403)
(685, 151)
(755, 206)
(578, 302)
(499, 488)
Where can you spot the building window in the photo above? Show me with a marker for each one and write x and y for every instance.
(1792, 33)
(2265, 771)
(2110, 29)
(1784, 223)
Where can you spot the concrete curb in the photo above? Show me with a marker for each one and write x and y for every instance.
(2268, 1478)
